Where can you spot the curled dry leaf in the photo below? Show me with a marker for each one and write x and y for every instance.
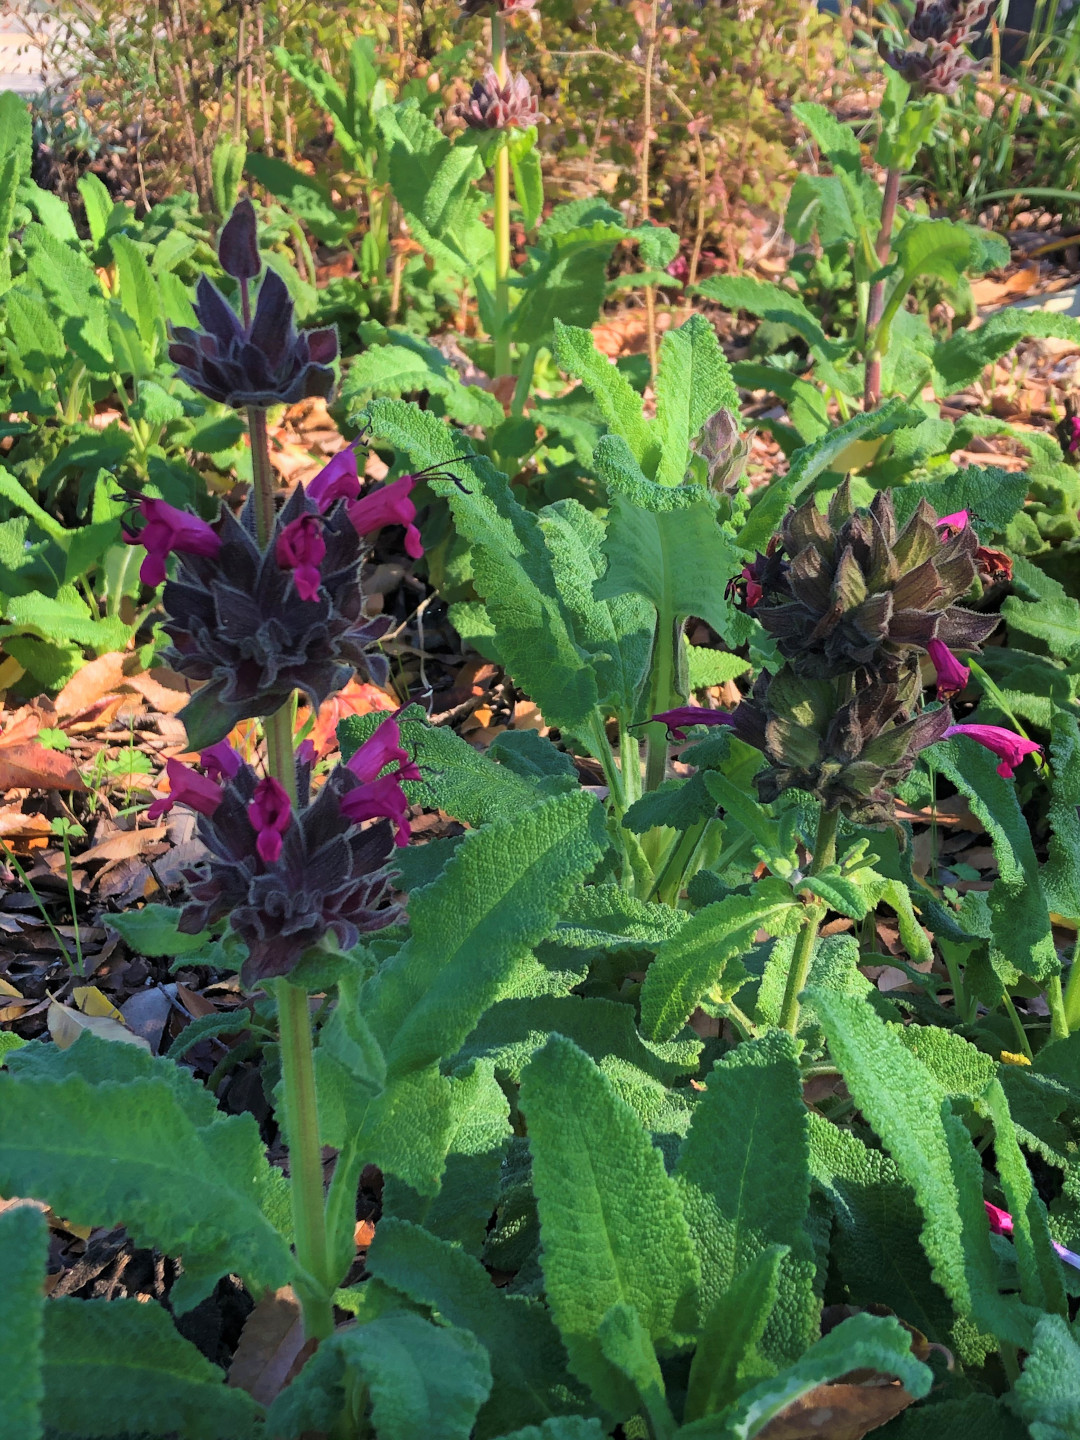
(90, 684)
(839, 1412)
(271, 1348)
(66, 1025)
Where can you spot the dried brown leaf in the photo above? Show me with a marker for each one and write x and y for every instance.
(839, 1412)
(271, 1342)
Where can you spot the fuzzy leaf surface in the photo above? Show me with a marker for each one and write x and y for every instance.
(116, 1367)
(500, 894)
(744, 1178)
(932, 1148)
(528, 1362)
(24, 1250)
(611, 1224)
(692, 962)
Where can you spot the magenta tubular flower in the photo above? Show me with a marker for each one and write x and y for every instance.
(1006, 744)
(952, 676)
(339, 480)
(306, 753)
(389, 505)
(684, 715)
(383, 747)
(1001, 1223)
(382, 799)
(186, 787)
(302, 549)
(1072, 434)
(168, 529)
(954, 523)
(270, 813)
(221, 761)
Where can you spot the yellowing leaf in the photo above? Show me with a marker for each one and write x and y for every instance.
(92, 1001)
(66, 1025)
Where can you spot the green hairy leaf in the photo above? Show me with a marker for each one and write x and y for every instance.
(771, 302)
(693, 382)
(527, 1359)
(1048, 1392)
(499, 895)
(933, 1152)
(744, 1178)
(422, 1379)
(111, 1137)
(679, 560)
(512, 569)
(611, 1224)
(695, 961)
(24, 1250)
(1020, 921)
(616, 399)
(117, 1367)
(726, 1360)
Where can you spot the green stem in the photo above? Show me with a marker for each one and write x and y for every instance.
(1021, 1033)
(1059, 1024)
(1072, 989)
(71, 902)
(876, 331)
(297, 1057)
(501, 184)
(305, 1159)
(824, 854)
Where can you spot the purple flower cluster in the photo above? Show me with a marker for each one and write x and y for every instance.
(854, 603)
(285, 878)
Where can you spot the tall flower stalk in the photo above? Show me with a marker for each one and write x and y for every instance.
(263, 605)
(501, 182)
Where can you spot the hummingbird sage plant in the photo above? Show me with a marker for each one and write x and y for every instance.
(264, 605)
(855, 603)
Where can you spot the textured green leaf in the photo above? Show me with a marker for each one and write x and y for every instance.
(626, 1345)
(139, 1153)
(512, 1031)
(934, 247)
(611, 1224)
(864, 1342)
(744, 1178)
(476, 1144)
(933, 1151)
(993, 496)
(528, 176)
(771, 302)
(1061, 873)
(691, 963)
(512, 569)
(527, 1359)
(726, 1358)
(24, 1250)
(116, 1367)
(138, 290)
(679, 560)
(1056, 622)
(563, 1427)
(407, 366)
(875, 1241)
(565, 281)
(615, 633)
(975, 1417)
(1048, 1392)
(305, 196)
(1038, 1265)
(435, 184)
(153, 931)
(616, 399)
(423, 1379)
(456, 778)
(693, 382)
(499, 895)
(1020, 921)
